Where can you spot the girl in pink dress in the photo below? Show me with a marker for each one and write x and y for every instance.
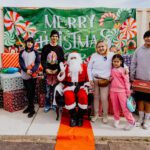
(120, 91)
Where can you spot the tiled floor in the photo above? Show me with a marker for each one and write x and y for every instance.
(17, 123)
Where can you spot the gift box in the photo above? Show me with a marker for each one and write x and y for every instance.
(10, 60)
(41, 99)
(141, 86)
(1, 99)
(14, 100)
(10, 82)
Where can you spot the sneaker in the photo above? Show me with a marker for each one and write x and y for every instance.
(94, 118)
(116, 123)
(54, 107)
(31, 114)
(105, 119)
(26, 110)
(129, 126)
(146, 124)
(139, 122)
(47, 108)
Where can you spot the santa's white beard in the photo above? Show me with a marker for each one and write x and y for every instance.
(74, 69)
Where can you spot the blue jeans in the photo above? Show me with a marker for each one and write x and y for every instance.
(49, 95)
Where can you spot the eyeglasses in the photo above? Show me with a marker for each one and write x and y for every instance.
(105, 58)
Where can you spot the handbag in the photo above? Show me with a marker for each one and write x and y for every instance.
(131, 104)
(103, 82)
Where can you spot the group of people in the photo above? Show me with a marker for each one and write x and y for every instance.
(106, 73)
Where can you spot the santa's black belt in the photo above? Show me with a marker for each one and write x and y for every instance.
(73, 83)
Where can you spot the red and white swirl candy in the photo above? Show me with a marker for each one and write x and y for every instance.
(14, 22)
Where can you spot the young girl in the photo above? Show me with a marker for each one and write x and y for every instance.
(120, 91)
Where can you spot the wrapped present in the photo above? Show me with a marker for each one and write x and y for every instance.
(141, 86)
(10, 60)
(14, 100)
(11, 82)
(1, 99)
(41, 99)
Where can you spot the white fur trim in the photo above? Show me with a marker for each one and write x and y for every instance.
(69, 107)
(69, 88)
(61, 78)
(87, 84)
(82, 106)
(58, 88)
(84, 88)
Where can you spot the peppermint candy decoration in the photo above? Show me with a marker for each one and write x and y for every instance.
(14, 22)
(30, 30)
(106, 15)
(128, 28)
(120, 11)
(120, 41)
(9, 39)
(109, 34)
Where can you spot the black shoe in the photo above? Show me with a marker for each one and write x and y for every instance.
(31, 114)
(27, 110)
(73, 122)
(80, 122)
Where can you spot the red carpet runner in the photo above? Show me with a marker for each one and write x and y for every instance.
(75, 138)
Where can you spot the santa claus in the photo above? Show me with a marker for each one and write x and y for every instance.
(75, 80)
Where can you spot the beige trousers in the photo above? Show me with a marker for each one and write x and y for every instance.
(100, 93)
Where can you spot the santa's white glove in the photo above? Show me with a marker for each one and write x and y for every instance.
(62, 67)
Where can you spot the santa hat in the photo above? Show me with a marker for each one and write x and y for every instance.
(76, 55)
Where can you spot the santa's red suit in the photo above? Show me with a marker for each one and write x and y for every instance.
(75, 89)
(69, 89)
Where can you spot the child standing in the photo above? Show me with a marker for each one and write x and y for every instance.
(120, 91)
(29, 63)
(51, 57)
(140, 70)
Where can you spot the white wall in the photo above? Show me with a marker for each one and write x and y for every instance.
(76, 3)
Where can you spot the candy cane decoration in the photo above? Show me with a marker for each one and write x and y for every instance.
(106, 15)
(131, 41)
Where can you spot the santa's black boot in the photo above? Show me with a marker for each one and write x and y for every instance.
(80, 117)
(73, 117)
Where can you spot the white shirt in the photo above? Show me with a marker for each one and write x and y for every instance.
(100, 66)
